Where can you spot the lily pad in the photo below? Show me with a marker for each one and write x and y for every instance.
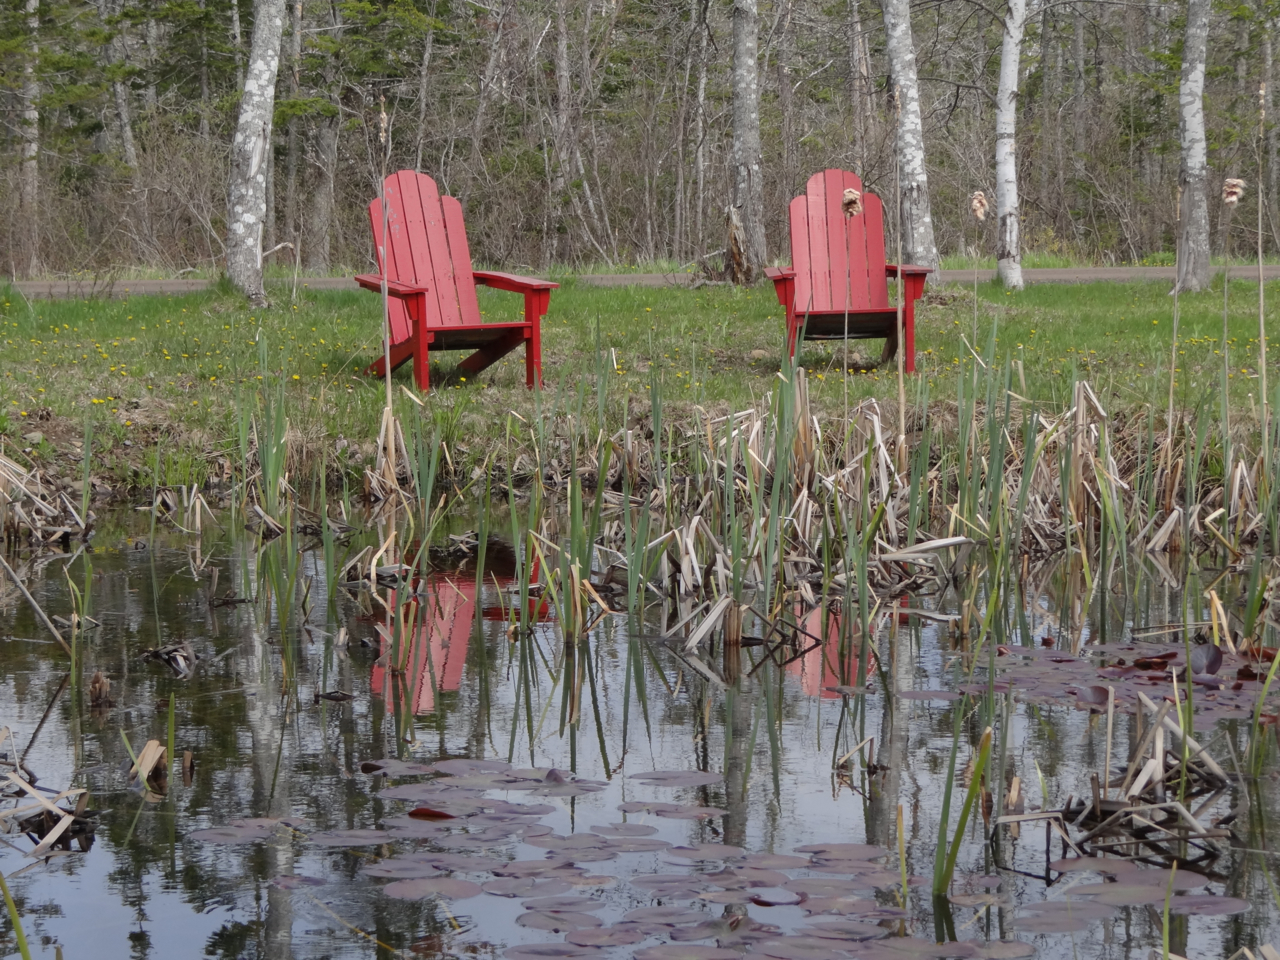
(685, 951)
(550, 951)
(461, 768)
(230, 834)
(557, 921)
(774, 897)
(706, 851)
(854, 930)
(843, 851)
(919, 949)
(400, 869)
(625, 830)
(396, 768)
(1078, 909)
(668, 915)
(527, 868)
(637, 844)
(446, 888)
(692, 812)
(772, 861)
(350, 838)
(585, 904)
(619, 935)
(800, 948)
(526, 887)
(1205, 905)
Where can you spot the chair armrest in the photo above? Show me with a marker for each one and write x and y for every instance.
(908, 270)
(779, 273)
(509, 281)
(395, 288)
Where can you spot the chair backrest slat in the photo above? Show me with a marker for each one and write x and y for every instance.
(460, 255)
(428, 245)
(839, 261)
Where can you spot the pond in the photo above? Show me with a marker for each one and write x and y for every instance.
(403, 768)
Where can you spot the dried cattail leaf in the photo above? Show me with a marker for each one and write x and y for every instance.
(851, 203)
(1232, 190)
(978, 204)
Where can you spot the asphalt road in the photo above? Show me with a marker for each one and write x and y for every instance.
(106, 287)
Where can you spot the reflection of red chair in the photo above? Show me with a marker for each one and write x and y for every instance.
(431, 643)
(820, 667)
(445, 631)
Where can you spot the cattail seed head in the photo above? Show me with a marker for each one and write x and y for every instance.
(851, 203)
(978, 204)
(382, 120)
(1232, 191)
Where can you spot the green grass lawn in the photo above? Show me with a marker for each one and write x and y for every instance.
(172, 379)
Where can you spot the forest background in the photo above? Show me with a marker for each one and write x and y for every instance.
(597, 133)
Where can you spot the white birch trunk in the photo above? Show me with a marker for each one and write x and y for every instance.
(29, 149)
(748, 175)
(1193, 241)
(918, 246)
(247, 197)
(1008, 251)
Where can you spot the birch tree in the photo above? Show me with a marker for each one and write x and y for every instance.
(917, 222)
(1008, 252)
(748, 166)
(1193, 176)
(247, 197)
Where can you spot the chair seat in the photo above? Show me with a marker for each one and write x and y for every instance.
(472, 336)
(861, 325)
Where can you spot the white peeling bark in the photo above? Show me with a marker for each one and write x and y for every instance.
(1193, 241)
(748, 173)
(247, 197)
(917, 221)
(1008, 250)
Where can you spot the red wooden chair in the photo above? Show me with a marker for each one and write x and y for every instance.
(432, 287)
(838, 280)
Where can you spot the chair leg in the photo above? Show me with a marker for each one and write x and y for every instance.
(536, 303)
(421, 362)
(909, 336)
(400, 352)
(793, 334)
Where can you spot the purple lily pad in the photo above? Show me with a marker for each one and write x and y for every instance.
(668, 915)
(527, 868)
(854, 930)
(230, 834)
(688, 951)
(843, 851)
(772, 861)
(463, 862)
(557, 921)
(774, 897)
(927, 950)
(396, 768)
(646, 806)
(637, 844)
(619, 935)
(550, 951)
(800, 948)
(735, 896)
(1006, 950)
(1205, 659)
(1205, 905)
(526, 887)
(706, 851)
(692, 812)
(582, 904)
(824, 886)
(444, 887)
(461, 768)
(350, 838)
(625, 830)
(401, 869)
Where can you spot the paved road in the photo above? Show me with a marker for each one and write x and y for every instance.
(44, 289)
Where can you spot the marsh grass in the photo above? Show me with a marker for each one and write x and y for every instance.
(170, 384)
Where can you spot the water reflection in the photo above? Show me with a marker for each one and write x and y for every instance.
(435, 672)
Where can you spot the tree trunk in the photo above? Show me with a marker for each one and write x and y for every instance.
(29, 151)
(1008, 253)
(748, 179)
(916, 220)
(1193, 245)
(115, 55)
(560, 123)
(237, 42)
(250, 150)
(1079, 113)
(423, 85)
(859, 88)
(786, 105)
(700, 136)
(319, 230)
(292, 137)
(204, 73)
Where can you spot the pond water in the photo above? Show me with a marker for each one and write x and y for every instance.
(760, 754)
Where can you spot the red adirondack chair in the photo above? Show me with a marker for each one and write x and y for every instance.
(432, 287)
(838, 280)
